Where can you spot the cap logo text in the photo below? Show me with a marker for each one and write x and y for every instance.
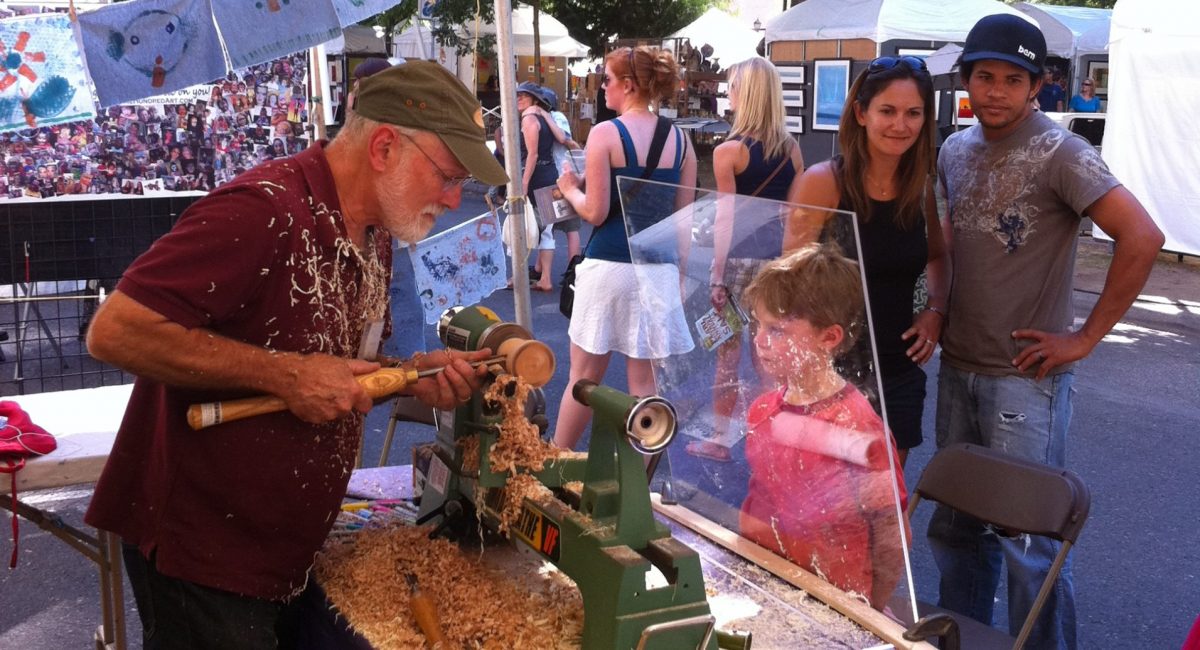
(1026, 53)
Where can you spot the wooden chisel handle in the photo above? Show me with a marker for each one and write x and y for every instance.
(380, 383)
(425, 611)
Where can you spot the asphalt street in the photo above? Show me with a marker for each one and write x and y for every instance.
(1133, 441)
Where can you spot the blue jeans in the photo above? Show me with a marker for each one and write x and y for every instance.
(1027, 419)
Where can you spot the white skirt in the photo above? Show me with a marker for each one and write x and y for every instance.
(632, 309)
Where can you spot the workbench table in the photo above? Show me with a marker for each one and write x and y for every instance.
(85, 423)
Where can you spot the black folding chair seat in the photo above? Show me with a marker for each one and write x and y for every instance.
(1012, 494)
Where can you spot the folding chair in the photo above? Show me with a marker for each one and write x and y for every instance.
(1014, 495)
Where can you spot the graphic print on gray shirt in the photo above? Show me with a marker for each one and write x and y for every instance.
(1015, 205)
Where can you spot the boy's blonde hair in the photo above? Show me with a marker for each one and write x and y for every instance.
(816, 283)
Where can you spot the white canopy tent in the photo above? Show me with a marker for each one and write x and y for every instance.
(1151, 142)
(356, 39)
(555, 39)
(1070, 31)
(731, 40)
(883, 20)
(416, 42)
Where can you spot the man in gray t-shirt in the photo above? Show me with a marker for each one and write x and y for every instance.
(1016, 186)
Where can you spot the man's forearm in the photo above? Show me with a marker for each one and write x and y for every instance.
(137, 339)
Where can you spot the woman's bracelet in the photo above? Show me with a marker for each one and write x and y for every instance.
(936, 310)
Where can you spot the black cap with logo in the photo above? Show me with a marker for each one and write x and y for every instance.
(1006, 37)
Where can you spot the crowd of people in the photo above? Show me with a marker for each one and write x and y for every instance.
(998, 263)
(197, 144)
(824, 460)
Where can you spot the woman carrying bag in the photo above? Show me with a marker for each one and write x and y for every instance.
(607, 314)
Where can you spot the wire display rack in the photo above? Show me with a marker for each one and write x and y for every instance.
(57, 259)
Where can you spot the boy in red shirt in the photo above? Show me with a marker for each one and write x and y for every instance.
(821, 487)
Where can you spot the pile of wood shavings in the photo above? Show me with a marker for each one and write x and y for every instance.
(519, 445)
(478, 606)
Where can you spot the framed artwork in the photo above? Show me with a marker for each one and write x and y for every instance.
(791, 74)
(963, 115)
(1098, 71)
(794, 123)
(920, 53)
(831, 82)
(793, 98)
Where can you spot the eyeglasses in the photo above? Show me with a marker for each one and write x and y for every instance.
(916, 64)
(632, 69)
(449, 182)
(1086, 83)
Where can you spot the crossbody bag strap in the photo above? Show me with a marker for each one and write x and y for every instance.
(661, 130)
(778, 168)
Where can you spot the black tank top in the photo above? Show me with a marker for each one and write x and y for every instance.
(893, 259)
(766, 242)
(544, 173)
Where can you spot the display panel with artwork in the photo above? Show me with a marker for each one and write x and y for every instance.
(190, 140)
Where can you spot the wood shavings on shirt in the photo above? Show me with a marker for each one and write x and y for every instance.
(479, 605)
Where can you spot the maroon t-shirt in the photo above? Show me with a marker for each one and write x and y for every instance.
(244, 505)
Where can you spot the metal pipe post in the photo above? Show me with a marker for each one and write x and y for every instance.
(509, 120)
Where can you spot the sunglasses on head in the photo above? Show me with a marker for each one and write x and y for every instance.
(1088, 83)
(915, 64)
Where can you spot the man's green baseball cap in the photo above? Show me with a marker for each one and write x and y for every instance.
(423, 95)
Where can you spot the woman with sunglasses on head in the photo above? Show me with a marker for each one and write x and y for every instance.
(758, 158)
(1086, 101)
(608, 316)
(885, 176)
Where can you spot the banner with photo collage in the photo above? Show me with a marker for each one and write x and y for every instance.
(190, 140)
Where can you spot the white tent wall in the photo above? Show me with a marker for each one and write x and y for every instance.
(1151, 142)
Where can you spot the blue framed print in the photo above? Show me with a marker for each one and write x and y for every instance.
(831, 82)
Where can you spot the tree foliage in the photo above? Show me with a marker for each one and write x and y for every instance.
(595, 22)
(592, 22)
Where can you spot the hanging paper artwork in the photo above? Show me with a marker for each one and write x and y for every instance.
(42, 81)
(261, 30)
(351, 12)
(460, 266)
(138, 49)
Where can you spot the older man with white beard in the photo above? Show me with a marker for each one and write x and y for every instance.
(277, 283)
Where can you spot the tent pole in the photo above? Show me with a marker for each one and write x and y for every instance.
(509, 118)
(316, 112)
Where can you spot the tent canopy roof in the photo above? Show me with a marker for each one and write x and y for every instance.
(1071, 31)
(883, 20)
(555, 39)
(732, 41)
